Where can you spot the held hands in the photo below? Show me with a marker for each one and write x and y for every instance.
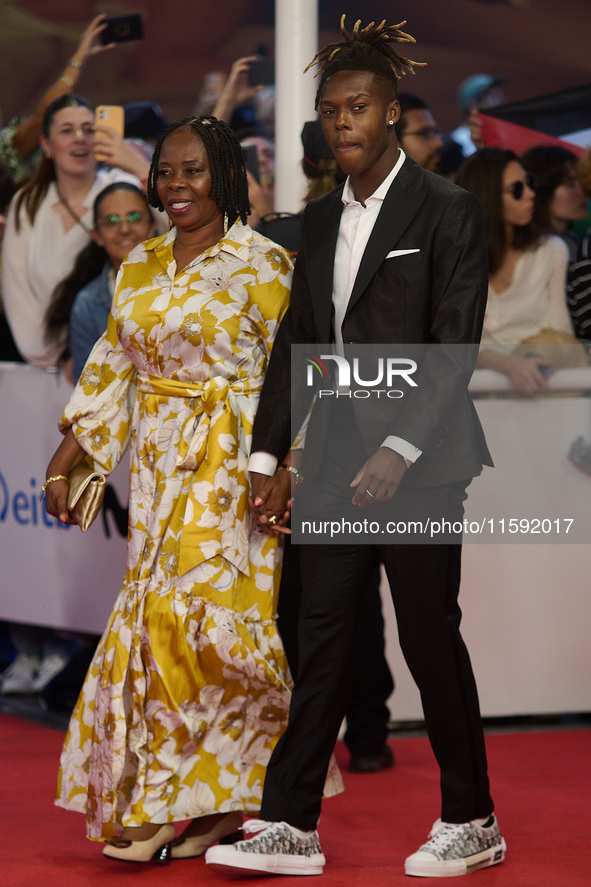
(270, 497)
(379, 478)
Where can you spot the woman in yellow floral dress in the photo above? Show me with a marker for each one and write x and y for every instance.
(188, 691)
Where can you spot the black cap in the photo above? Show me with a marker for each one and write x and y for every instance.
(144, 120)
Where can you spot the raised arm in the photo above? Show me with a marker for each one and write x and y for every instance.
(26, 137)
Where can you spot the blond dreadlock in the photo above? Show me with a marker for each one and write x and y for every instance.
(366, 49)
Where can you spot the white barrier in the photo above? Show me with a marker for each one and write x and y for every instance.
(49, 574)
(527, 609)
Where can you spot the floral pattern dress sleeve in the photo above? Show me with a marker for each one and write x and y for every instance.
(101, 406)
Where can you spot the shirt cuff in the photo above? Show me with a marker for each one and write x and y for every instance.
(405, 449)
(263, 463)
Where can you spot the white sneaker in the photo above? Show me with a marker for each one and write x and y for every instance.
(457, 850)
(271, 847)
(51, 665)
(20, 675)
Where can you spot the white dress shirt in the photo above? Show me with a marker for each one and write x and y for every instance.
(357, 223)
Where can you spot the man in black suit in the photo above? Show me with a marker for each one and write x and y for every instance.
(397, 255)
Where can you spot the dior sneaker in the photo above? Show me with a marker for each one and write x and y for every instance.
(271, 847)
(457, 849)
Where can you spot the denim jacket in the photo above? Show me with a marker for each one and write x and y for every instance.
(88, 317)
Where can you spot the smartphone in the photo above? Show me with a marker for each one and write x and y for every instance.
(109, 115)
(262, 72)
(122, 28)
(251, 161)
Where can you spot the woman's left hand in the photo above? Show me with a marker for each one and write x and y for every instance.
(270, 501)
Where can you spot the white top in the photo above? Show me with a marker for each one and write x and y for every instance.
(535, 300)
(36, 258)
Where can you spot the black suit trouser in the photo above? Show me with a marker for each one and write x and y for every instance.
(372, 684)
(424, 581)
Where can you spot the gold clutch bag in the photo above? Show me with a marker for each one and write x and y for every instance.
(86, 494)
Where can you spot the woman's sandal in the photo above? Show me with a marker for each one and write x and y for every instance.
(157, 849)
(196, 845)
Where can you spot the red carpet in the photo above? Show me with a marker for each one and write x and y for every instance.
(541, 784)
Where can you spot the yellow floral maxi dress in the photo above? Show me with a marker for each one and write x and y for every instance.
(188, 692)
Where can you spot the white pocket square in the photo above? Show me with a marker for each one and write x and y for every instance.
(401, 252)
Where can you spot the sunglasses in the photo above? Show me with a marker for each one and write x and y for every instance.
(517, 188)
(112, 220)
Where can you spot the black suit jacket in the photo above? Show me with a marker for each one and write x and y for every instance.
(434, 296)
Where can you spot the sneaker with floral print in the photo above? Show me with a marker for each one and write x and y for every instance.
(457, 849)
(272, 847)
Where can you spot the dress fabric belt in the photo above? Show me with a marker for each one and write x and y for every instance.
(219, 465)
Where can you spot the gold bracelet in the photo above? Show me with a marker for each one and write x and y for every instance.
(74, 63)
(50, 480)
(67, 80)
(299, 475)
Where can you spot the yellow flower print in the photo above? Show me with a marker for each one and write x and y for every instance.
(169, 558)
(219, 501)
(200, 327)
(276, 259)
(94, 375)
(99, 437)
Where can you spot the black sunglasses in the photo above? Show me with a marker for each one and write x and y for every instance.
(517, 188)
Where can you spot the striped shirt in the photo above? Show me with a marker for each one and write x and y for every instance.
(579, 289)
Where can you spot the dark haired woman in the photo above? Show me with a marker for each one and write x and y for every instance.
(560, 198)
(49, 223)
(187, 694)
(527, 272)
(82, 301)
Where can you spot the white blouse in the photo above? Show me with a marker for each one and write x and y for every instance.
(35, 259)
(535, 300)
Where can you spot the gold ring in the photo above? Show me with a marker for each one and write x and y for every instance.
(273, 520)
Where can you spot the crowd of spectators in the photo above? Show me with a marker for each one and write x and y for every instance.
(54, 222)
(67, 220)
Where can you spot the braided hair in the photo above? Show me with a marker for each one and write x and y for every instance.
(229, 186)
(366, 49)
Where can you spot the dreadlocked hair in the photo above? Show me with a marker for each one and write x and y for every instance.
(366, 49)
(229, 186)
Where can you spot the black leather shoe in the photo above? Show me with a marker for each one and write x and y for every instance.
(381, 760)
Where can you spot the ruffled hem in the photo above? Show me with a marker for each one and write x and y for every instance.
(181, 709)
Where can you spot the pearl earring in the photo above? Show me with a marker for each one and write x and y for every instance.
(390, 123)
